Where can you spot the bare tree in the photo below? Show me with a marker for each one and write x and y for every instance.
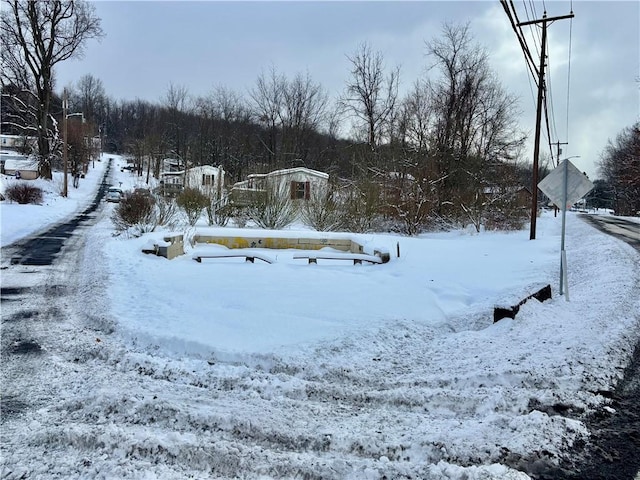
(177, 102)
(475, 118)
(371, 94)
(620, 166)
(268, 102)
(304, 111)
(36, 36)
(418, 118)
(89, 98)
(227, 117)
(227, 105)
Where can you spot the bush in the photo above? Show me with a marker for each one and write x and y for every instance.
(412, 207)
(361, 207)
(166, 212)
(323, 212)
(193, 202)
(275, 210)
(135, 212)
(221, 216)
(24, 193)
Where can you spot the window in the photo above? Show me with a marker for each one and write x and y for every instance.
(300, 190)
(207, 179)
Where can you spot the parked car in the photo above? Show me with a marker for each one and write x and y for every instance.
(114, 195)
(145, 192)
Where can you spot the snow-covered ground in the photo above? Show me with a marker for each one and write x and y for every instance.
(288, 370)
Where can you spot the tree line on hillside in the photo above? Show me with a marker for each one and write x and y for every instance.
(620, 169)
(448, 150)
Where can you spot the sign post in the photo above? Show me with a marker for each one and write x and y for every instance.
(564, 186)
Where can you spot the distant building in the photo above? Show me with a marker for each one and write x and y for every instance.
(298, 183)
(206, 178)
(518, 195)
(17, 142)
(11, 162)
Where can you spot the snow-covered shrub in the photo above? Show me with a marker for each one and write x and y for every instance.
(361, 207)
(411, 207)
(135, 214)
(323, 212)
(274, 209)
(165, 212)
(24, 193)
(192, 201)
(221, 216)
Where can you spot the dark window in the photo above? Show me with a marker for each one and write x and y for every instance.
(300, 190)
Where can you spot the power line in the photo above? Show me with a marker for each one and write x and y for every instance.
(546, 117)
(513, 18)
(535, 35)
(569, 71)
(549, 85)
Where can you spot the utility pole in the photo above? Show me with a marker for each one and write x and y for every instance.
(65, 188)
(541, 88)
(559, 151)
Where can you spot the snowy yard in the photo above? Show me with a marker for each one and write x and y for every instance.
(228, 369)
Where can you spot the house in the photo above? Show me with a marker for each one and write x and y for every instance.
(299, 184)
(171, 183)
(16, 142)
(207, 179)
(519, 196)
(172, 165)
(10, 163)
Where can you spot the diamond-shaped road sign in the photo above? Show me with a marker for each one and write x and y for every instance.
(578, 185)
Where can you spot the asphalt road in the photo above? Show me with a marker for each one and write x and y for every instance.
(36, 284)
(41, 249)
(625, 230)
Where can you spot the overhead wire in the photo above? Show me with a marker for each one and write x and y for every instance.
(513, 18)
(569, 70)
(552, 125)
(548, 133)
(549, 85)
(547, 95)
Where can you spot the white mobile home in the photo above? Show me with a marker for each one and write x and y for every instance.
(207, 179)
(299, 183)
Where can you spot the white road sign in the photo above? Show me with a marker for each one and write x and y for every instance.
(578, 185)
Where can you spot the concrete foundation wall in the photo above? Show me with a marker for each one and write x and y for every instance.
(345, 245)
(173, 248)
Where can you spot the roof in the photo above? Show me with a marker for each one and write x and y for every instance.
(289, 171)
(500, 190)
(206, 168)
(19, 162)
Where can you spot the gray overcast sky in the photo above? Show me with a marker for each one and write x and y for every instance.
(200, 45)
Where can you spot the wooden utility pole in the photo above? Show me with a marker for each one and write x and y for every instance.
(541, 87)
(559, 151)
(65, 188)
